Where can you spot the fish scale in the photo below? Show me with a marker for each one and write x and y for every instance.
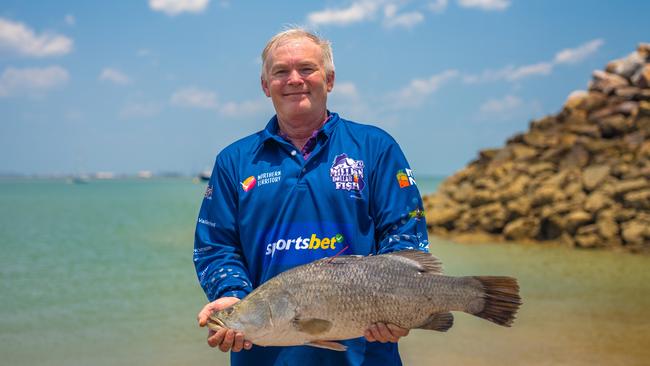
(339, 298)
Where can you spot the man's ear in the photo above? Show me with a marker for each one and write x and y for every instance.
(265, 86)
(330, 81)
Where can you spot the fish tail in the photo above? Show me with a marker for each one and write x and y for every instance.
(501, 296)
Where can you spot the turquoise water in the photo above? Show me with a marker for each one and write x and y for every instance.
(101, 274)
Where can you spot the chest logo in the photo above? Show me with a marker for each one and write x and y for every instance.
(347, 173)
(248, 184)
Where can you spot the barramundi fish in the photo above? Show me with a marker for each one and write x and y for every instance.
(340, 297)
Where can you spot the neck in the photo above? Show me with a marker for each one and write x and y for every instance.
(299, 130)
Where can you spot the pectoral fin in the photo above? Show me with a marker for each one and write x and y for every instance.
(312, 326)
(439, 321)
(334, 346)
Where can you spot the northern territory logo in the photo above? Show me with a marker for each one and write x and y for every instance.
(347, 173)
(248, 184)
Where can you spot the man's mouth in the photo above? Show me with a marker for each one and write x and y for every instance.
(296, 93)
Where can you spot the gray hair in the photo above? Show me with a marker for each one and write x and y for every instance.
(295, 33)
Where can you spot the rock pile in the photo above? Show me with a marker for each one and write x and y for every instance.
(581, 176)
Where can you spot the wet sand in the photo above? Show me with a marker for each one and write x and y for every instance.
(580, 308)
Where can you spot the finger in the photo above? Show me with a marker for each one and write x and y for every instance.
(248, 345)
(374, 330)
(239, 342)
(228, 340)
(385, 333)
(369, 336)
(397, 331)
(216, 338)
(204, 314)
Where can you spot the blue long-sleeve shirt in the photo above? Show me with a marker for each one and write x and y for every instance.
(266, 209)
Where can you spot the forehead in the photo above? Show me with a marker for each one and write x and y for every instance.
(295, 50)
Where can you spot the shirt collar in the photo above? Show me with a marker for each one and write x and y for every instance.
(272, 129)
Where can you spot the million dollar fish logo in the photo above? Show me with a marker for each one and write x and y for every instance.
(248, 184)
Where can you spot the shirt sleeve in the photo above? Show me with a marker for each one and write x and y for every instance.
(220, 266)
(396, 204)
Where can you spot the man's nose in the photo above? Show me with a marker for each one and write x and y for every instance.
(294, 78)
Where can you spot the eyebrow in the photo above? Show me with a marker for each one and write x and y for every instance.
(299, 64)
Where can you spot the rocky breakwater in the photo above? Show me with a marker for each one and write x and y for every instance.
(580, 177)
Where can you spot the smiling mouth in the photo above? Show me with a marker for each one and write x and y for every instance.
(297, 93)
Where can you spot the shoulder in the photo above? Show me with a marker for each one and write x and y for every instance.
(367, 131)
(241, 149)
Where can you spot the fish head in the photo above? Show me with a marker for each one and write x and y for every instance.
(250, 316)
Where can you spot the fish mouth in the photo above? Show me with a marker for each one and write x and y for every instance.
(216, 323)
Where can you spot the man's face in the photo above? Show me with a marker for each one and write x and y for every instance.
(296, 80)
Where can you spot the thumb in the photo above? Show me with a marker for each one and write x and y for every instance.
(203, 315)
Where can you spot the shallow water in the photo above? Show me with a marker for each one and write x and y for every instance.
(101, 274)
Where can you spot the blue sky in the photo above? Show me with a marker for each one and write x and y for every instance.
(163, 85)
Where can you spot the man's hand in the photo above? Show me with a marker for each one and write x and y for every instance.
(381, 332)
(225, 339)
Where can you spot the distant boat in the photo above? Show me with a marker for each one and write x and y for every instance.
(205, 175)
(79, 179)
(145, 174)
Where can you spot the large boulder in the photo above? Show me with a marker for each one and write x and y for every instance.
(522, 228)
(594, 175)
(580, 177)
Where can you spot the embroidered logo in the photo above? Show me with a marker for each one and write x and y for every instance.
(347, 173)
(405, 178)
(208, 192)
(248, 184)
(269, 177)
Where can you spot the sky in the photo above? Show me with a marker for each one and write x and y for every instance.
(164, 85)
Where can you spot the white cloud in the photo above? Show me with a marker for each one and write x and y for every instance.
(511, 73)
(489, 75)
(346, 100)
(114, 76)
(345, 90)
(541, 68)
(194, 98)
(175, 7)
(501, 106)
(246, 108)
(485, 4)
(17, 38)
(31, 81)
(70, 20)
(140, 110)
(144, 52)
(419, 89)
(406, 20)
(438, 6)
(575, 55)
(506, 108)
(357, 12)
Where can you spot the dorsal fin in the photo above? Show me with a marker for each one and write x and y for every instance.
(426, 261)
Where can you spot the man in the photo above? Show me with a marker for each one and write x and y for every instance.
(310, 185)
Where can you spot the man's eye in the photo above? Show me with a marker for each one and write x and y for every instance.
(279, 72)
(307, 70)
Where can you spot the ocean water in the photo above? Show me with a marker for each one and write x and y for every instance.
(102, 274)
